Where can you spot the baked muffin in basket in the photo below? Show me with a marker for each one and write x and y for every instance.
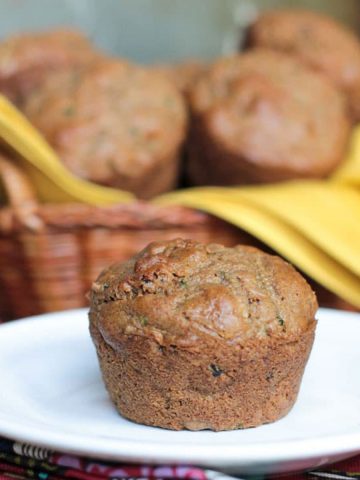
(194, 336)
(113, 123)
(182, 74)
(264, 116)
(26, 59)
(320, 41)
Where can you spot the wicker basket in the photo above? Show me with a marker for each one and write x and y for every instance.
(50, 254)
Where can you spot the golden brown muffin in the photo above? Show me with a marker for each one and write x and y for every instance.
(321, 42)
(194, 336)
(27, 58)
(113, 123)
(264, 116)
(182, 74)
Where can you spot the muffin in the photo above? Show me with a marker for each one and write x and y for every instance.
(182, 74)
(319, 41)
(194, 336)
(113, 123)
(264, 116)
(27, 58)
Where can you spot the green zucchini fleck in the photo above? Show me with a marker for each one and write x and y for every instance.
(280, 320)
(143, 320)
(69, 111)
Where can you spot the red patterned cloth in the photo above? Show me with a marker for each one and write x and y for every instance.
(20, 461)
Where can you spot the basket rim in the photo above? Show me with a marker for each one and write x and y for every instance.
(135, 215)
(24, 212)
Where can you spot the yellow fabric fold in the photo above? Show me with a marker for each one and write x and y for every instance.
(280, 236)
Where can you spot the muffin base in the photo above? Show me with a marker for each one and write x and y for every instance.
(162, 177)
(177, 389)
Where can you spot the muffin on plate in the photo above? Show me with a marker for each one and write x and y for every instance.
(194, 336)
(26, 59)
(264, 116)
(321, 42)
(113, 123)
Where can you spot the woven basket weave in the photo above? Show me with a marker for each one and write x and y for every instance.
(50, 254)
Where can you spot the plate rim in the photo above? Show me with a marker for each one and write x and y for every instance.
(146, 450)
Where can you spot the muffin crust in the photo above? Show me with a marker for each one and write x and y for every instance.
(321, 42)
(265, 117)
(26, 59)
(182, 74)
(113, 123)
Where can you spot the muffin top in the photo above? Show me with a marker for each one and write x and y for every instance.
(320, 41)
(192, 296)
(27, 58)
(110, 122)
(273, 112)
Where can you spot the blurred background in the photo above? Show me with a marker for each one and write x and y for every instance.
(158, 30)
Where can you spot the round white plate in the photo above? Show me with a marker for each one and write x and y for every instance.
(52, 395)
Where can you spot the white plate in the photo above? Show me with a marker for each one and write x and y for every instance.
(52, 395)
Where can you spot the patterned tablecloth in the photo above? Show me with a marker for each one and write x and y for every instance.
(20, 461)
